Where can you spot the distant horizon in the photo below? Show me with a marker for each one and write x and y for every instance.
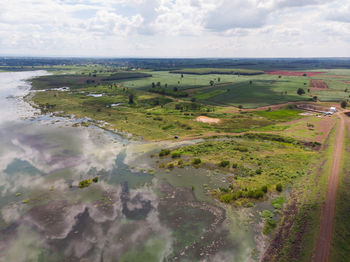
(151, 57)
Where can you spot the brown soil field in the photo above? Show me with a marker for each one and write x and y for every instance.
(330, 76)
(208, 120)
(293, 73)
(317, 84)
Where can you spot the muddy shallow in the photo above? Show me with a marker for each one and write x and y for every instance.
(131, 214)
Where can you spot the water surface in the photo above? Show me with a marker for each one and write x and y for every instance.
(131, 214)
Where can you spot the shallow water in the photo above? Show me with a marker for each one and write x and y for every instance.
(129, 215)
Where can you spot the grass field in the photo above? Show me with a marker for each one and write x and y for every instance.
(151, 116)
(253, 162)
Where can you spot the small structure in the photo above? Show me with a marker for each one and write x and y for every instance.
(333, 109)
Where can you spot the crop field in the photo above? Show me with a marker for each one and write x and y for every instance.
(80, 81)
(211, 71)
(252, 94)
(293, 73)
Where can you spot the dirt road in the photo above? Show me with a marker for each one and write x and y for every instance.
(328, 210)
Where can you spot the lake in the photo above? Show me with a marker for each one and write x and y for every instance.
(135, 212)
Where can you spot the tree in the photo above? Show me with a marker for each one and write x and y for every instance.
(300, 91)
(315, 98)
(175, 89)
(158, 84)
(211, 82)
(131, 98)
(279, 187)
(343, 104)
(153, 85)
(182, 75)
(219, 79)
(250, 82)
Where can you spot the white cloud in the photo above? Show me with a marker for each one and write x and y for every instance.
(173, 27)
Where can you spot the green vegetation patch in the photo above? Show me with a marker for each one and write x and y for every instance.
(80, 81)
(207, 71)
(255, 166)
(281, 115)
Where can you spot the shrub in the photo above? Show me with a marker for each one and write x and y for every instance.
(264, 189)
(176, 155)
(234, 165)
(258, 171)
(279, 187)
(164, 152)
(85, 183)
(343, 104)
(180, 162)
(255, 194)
(95, 179)
(226, 198)
(224, 163)
(197, 161)
(171, 166)
(300, 91)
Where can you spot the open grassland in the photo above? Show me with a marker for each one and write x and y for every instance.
(152, 116)
(340, 248)
(310, 128)
(297, 232)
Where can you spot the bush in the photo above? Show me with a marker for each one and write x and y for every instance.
(226, 198)
(180, 162)
(224, 163)
(176, 155)
(255, 194)
(197, 161)
(258, 171)
(279, 187)
(95, 179)
(171, 166)
(164, 152)
(343, 104)
(234, 165)
(300, 91)
(85, 183)
(264, 189)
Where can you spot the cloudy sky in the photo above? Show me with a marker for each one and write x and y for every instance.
(175, 28)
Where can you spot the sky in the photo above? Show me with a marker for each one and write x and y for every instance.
(175, 28)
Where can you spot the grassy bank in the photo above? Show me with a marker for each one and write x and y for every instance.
(340, 248)
(297, 232)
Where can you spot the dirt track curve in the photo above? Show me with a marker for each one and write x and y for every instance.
(328, 210)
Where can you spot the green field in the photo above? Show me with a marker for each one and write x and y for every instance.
(210, 71)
